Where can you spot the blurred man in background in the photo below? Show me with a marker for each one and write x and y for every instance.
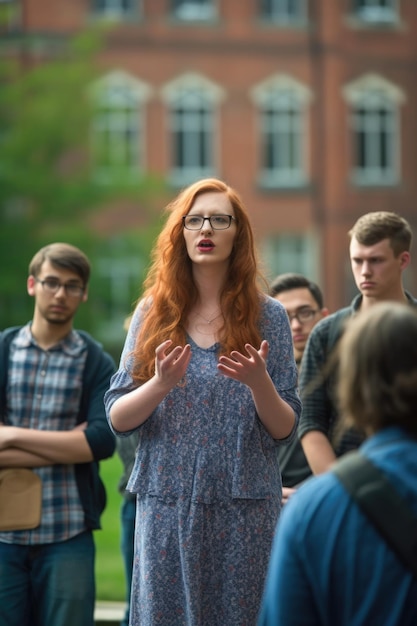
(303, 301)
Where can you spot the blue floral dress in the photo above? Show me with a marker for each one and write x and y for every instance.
(208, 488)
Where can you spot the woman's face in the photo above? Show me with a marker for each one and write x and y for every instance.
(208, 245)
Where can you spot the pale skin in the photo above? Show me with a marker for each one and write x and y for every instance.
(52, 321)
(378, 276)
(210, 267)
(293, 301)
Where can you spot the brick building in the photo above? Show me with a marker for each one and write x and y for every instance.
(307, 107)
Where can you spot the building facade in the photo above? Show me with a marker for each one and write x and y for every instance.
(307, 107)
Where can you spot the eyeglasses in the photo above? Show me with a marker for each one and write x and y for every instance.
(52, 285)
(303, 315)
(217, 222)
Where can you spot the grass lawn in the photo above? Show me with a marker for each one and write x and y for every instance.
(109, 565)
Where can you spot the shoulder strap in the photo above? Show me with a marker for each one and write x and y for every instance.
(383, 505)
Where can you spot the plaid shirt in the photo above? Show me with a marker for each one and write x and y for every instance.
(43, 392)
(319, 412)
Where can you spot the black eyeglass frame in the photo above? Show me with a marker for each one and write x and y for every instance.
(209, 218)
(306, 312)
(73, 291)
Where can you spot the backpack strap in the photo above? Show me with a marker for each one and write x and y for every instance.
(382, 504)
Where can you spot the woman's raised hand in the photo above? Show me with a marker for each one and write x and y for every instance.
(171, 366)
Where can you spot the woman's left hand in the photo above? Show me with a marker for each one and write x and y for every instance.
(247, 369)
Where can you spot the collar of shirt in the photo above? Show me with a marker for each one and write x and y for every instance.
(72, 344)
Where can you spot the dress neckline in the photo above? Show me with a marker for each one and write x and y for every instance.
(194, 344)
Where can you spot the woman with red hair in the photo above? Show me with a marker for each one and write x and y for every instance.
(207, 377)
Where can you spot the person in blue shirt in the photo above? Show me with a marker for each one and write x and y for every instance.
(329, 565)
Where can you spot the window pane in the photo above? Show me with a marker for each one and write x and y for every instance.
(376, 10)
(375, 138)
(114, 7)
(289, 252)
(193, 9)
(283, 10)
(116, 132)
(282, 138)
(192, 129)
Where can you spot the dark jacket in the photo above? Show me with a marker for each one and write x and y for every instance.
(317, 380)
(98, 369)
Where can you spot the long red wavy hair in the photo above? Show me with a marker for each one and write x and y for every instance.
(170, 291)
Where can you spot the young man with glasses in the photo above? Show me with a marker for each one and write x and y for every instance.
(303, 301)
(53, 380)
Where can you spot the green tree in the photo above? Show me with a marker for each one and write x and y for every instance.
(48, 187)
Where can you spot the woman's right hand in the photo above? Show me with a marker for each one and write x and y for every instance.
(132, 409)
(171, 366)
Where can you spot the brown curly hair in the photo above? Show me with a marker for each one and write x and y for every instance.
(171, 293)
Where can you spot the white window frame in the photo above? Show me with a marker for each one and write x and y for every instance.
(375, 128)
(376, 11)
(284, 11)
(192, 103)
(122, 98)
(120, 276)
(194, 10)
(283, 122)
(115, 9)
(291, 252)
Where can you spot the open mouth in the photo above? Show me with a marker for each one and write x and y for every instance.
(205, 245)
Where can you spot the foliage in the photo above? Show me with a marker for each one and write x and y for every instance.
(49, 190)
(110, 577)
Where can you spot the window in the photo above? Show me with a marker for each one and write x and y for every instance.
(373, 129)
(282, 106)
(291, 252)
(117, 128)
(192, 105)
(283, 11)
(376, 11)
(118, 276)
(114, 8)
(194, 10)
(374, 124)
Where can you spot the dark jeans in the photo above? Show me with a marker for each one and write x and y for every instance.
(50, 584)
(128, 514)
